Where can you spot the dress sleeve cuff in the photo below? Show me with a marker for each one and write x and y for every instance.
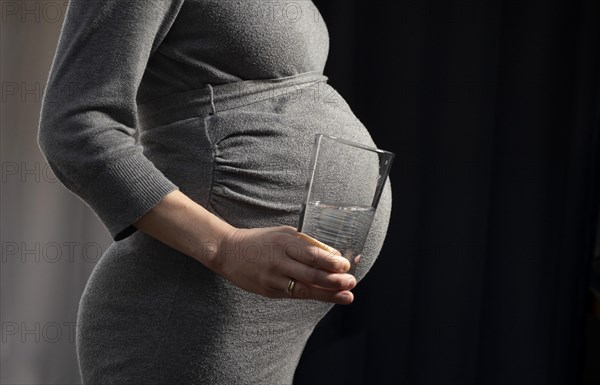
(124, 191)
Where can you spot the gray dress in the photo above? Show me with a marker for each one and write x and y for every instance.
(227, 96)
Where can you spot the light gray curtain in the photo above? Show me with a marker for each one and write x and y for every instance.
(51, 240)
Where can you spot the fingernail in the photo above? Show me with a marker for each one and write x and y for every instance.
(350, 282)
(344, 264)
(347, 297)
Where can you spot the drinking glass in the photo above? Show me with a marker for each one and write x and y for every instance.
(345, 181)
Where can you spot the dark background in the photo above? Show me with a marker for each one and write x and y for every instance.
(493, 111)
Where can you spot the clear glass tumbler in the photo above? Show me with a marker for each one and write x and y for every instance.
(345, 182)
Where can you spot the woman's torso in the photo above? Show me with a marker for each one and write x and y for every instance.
(225, 41)
(150, 312)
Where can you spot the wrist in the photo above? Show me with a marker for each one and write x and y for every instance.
(186, 226)
(212, 241)
(225, 246)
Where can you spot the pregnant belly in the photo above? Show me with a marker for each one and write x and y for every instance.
(249, 164)
(262, 151)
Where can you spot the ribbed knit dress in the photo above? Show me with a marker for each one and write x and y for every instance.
(226, 97)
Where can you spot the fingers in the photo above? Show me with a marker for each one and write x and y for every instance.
(320, 275)
(304, 291)
(315, 242)
(309, 251)
(316, 277)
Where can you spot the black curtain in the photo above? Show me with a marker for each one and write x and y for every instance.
(492, 109)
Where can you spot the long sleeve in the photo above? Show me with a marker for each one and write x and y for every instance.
(89, 113)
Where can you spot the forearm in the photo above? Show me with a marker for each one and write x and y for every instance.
(186, 226)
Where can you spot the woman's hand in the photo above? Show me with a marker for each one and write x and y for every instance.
(263, 260)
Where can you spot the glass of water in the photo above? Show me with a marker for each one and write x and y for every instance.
(345, 181)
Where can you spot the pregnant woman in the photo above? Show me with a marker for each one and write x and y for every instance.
(206, 281)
